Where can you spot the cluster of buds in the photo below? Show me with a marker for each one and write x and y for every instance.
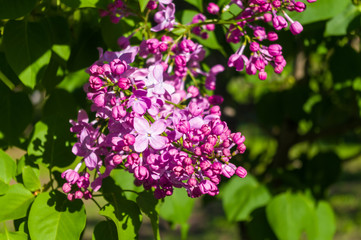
(147, 124)
(245, 28)
(155, 123)
(116, 11)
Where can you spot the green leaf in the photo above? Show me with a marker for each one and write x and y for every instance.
(126, 216)
(13, 235)
(7, 75)
(320, 10)
(188, 15)
(125, 213)
(16, 114)
(197, 3)
(177, 209)
(28, 40)
(38, 139)
(337, 26)
(4, 187)
(105, 230)
(81, 3)
(11, 9)
(125, 181)
(289, 215)
(74, 80)
(149, 205)
(326, 223)
(111, 32)
(31, 178)
(60, 36)
(54, 217)
(17, 201)
(143, 4)
(7, 167)
(241, 196)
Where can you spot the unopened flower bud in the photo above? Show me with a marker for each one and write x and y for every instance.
(241, 172)
(213, 8)
(296, 28)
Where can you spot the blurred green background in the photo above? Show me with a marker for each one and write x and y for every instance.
(302, 127)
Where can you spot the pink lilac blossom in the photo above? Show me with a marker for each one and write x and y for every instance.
(151, 130)
(149, 122)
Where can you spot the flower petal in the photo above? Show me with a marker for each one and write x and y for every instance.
(141, 143)
(196, 122)
(91, 161)
(141, 125)
(157, 127)
(158, 142)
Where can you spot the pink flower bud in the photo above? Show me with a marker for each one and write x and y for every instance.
(118, 112)
(87, 195)
(241, 148)
(210, 27)
(124, 83)
(278, 59)
(296, 28)
(217, 167)
(129, 139)
(189, 169)
(187, 143)
(192, 182)
(267, 17)
(205, 165)
(141, 173)
(207, 148)
(118, 66)
(251, 69)
(278, 69)
(241, 172)
(215, 99)
(194, 109)
(70, 197)
(117, 159)
(163, 47)
(276, 3)
(254, 46)
(193, 90)
(300, 6)
(66, 187)
(275, 50)
(216, 110)
(180, 60)
(198, 151)
(213, 8)
(259, 64)
(262, 75)
(272, 36)
(78, 195)
(228, 170)
(95, 82)
(238, 138)
(152, 5)
(183, 126)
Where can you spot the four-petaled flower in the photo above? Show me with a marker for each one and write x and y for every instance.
(149, 134)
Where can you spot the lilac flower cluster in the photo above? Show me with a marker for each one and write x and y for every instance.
(245, 28)
(149, 125)
(153, 116)
(247, 31)
(115, 11)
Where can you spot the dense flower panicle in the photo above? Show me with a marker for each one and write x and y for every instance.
(150, 120)
(154, 129)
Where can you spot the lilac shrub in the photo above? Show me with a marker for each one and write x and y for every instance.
(155, 115)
